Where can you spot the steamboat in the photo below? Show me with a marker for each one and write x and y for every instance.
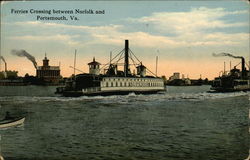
(235, 80)
(114, 81)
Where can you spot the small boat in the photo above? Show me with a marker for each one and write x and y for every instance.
(11, 122)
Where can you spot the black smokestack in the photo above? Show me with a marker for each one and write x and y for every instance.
(243, 69)
(23, 53)
(226, 54)
(1, 57)
(126, 63)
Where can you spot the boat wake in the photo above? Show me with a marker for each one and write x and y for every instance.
(129, 98)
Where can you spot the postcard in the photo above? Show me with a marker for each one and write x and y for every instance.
(152, 80)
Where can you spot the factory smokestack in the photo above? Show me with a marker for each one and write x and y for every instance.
(1, 57)
(5, 67)
(23, 53)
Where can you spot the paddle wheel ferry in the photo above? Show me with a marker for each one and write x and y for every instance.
(114, 81)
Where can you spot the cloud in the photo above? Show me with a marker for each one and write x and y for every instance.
(190, 29)
(105, 28)
(195, 20)
(45, 38)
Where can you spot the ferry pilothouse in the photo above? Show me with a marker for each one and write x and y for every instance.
(114, 81)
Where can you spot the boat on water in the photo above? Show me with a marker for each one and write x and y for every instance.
(114, 81)
(6, 123)
(235, 80)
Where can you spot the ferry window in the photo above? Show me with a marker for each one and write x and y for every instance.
(111, 84)
(107, 84)
(121, 84)
(116, 84)
(243, 82)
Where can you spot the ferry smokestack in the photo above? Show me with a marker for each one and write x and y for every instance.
(243, 69)
(126, 62)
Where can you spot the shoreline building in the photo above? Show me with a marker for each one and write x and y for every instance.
(50, 74)
(176, 80)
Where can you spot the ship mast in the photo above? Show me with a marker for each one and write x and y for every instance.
(156, 66)
(75, 63)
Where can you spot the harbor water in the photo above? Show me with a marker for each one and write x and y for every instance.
(183, 123)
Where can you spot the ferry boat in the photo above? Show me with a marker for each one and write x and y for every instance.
(113, 81)
(235, 80)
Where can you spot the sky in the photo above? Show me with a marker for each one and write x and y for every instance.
(183, 34)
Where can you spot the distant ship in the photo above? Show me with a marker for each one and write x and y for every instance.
(113, 81)
(235, 80)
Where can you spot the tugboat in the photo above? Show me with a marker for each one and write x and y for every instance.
(235, 80)
(113, 81)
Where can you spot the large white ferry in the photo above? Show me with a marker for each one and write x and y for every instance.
(114, 81)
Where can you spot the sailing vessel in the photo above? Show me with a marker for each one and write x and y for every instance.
(114, 81)
(235, 80)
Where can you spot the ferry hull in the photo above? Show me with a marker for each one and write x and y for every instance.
(108, 93)
(222, 89)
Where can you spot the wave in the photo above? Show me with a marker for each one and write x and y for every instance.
(129, 98)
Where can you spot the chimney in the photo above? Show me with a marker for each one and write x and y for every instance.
(126, 63)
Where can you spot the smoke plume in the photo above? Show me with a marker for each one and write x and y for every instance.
(226, 54)
(1, 57)
(23, 53)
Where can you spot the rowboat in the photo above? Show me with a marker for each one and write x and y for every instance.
(11, 122)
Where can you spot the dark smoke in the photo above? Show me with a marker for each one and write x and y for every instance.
(23, 53)
(226, 54)
(1, 57)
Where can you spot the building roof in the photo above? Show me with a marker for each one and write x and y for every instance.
(94, 62)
